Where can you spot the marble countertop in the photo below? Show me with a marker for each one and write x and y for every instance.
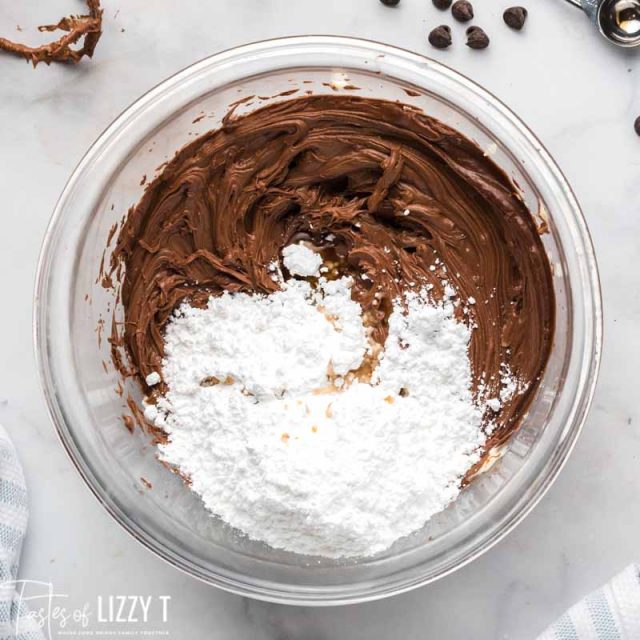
(579, 94)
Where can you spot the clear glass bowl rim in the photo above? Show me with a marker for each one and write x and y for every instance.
(533, 494)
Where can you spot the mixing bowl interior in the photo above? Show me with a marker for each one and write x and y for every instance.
(74, 314)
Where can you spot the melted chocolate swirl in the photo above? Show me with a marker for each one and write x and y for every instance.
(385, 191)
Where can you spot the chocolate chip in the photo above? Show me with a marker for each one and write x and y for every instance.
(390, 3)
(441, 4)
(515, 17)
(440, 37)
(462, 10)
(636, 125)
(477, 38)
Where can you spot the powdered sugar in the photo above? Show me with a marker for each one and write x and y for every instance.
(266, 345)
(278, 436)
(300, 260)
(153, 378)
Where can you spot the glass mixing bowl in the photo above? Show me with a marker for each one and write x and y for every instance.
(79, 382)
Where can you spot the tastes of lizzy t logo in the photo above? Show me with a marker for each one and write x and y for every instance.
(39, 608)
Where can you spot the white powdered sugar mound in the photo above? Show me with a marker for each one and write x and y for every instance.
(266, 345)
(282, 443)
(300, 260)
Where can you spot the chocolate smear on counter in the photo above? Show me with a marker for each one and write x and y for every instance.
(383, 190)
(477, 38)
(515, 17)
(462, 10)
(440, 37)
(129, 423)
(87, 26)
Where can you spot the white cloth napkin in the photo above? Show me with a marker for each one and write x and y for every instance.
(15, 622)
(610, 613)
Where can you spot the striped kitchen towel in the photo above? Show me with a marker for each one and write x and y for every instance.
(611, 613)
(16, 623)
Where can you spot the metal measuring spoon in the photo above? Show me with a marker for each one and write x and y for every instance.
(617, 20)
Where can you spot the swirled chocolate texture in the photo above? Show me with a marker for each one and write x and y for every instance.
(385, 191)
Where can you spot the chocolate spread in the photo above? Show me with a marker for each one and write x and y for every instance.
(74, 28)
(383, 190)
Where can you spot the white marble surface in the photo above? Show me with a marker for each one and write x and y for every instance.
(579, 94)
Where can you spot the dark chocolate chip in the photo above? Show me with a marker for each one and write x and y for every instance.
(390, 3)
(441, 4)
(636, 125)
(462, 10)
(515, 17)
(477, 38)
(440, 37)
